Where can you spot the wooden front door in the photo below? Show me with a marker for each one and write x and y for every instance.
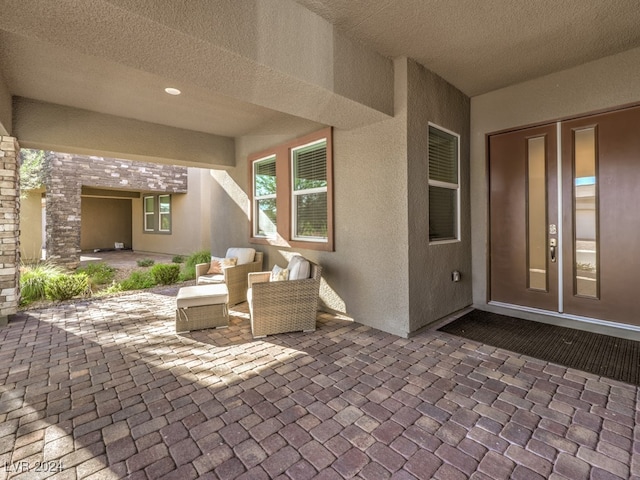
(523, 210)
(577, 253)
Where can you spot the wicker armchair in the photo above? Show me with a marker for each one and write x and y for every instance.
(235, 277)
(286, 306)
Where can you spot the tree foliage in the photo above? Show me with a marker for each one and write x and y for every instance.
(31, 169)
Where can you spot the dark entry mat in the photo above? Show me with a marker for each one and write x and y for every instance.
(611, 357)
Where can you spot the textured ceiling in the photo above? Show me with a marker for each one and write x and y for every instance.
(116, 56)
(483, 45)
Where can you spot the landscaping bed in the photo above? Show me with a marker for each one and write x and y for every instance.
(105, 273)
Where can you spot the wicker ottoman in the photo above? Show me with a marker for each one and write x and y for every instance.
(202, 306)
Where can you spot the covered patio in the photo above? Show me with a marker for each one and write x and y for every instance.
(104, 389)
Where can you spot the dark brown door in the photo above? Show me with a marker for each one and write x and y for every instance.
(523, 218)
(601, 215)
(600, 206)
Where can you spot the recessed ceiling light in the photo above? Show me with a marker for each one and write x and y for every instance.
(172, 91)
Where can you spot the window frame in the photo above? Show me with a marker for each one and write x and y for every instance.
(146, 213)
(156, 214)
(256, 198)
(445, 185)
(307, 191)
(161, 213)
(285, 197)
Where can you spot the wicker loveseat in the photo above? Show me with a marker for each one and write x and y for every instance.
(283, 306)
(235, 277)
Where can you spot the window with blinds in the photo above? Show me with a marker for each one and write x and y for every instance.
(292, 193)
(444, 185)
(309, 167)
(264, 197)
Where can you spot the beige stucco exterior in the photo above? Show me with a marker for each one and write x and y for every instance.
(257, 73)
(31, 225)
(190, 213)
(383, 267)
(595, 86)
(105, 221)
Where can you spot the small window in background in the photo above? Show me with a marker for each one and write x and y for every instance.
(157, 213)
(444, 183)
(310, 216)
(264, 197)
(164, 202)
(149, 214)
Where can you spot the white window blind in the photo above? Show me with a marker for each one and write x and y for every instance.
(310, 217)
(443, 182)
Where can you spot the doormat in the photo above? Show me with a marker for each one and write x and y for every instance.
(603, 355)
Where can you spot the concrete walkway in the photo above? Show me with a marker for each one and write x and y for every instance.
(105, 389)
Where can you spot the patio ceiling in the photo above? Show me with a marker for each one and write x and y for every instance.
(480, 46)
(115, 57)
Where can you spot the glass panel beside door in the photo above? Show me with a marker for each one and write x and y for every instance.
(585, 213)
(537, 213)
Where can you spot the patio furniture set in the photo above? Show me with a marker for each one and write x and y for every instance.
(282, 300)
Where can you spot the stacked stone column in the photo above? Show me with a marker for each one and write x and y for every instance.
(63, 205)
(9, 227)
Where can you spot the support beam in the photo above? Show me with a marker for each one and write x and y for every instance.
(271, 53)
(47, 126)
(5, 108)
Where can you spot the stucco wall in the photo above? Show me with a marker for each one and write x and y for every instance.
(599, 85)
(31, 225)
(432, 293)
(383, 273)
(105, 221)
(190, 219)
(367, 275)
(6, 112)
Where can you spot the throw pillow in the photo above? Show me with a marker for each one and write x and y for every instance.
(279, 274)
(218, 264)
(244, 255)
(299, 268)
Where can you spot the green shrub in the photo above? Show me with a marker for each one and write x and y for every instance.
(115, 287)
(189, 270)
(33, 279)
(178, 259)
(145, 262)
(99, 273)
(65, 287)
(136, 281)
(165, 274)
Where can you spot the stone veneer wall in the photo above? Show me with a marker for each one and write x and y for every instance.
(9, 228)
(66, 174)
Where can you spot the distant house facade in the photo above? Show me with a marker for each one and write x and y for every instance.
(89, 203)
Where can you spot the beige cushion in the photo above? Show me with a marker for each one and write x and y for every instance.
(299, 268)
(206, 279)
(200, 295)
(218, 264)
(279, 274)
(244, 255)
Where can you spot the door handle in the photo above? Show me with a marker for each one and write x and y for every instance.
(553, 243)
